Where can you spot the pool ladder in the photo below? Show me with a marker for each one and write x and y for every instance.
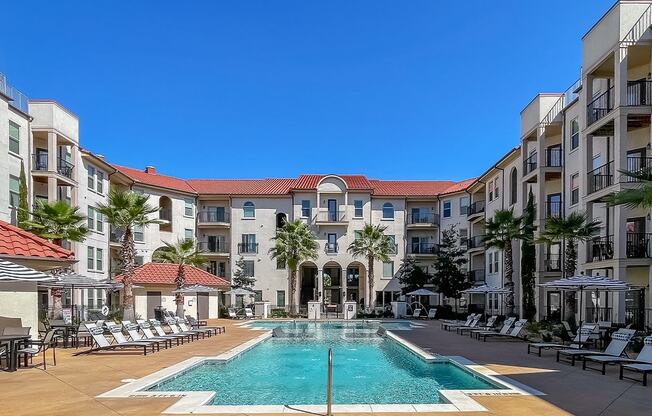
(329, 384)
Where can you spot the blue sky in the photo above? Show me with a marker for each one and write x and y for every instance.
(238, 89)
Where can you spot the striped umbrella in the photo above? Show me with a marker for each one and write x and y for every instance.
(15, 272)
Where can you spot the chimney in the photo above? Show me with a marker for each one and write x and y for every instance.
(150, 169)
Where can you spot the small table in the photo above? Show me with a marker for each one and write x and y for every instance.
(12, 352)
(66, 331)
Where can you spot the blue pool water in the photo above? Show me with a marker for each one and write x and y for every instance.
(291, 369)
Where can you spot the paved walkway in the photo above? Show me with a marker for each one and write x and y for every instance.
(70, 387)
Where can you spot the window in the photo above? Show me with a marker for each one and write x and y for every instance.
(248, 243)
(491, 262)
(139, 234)
(513, 186)
(280, 264)
(392, 244)
(91, 177)
(99, 221)
(99, 261)
(496, 189)
(221, 269)
(357, 234)
(14, 191)
(575, 134)
(496, 258)
(464, 205)
(357, 206)
(491, 190)
(305, 208)
(91, 218)
(248, 268)
(188, 234)
(188, 208)
(597, 161)
(280, 298)
(99, 185)
(139, 260)
(249, 210)
(258, 295)
(447, 209)
(90, 258)
(575, 188)
(388, 211)
(388, 269)
(14, 138)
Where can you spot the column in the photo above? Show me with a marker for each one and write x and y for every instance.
(320, 284)
(619, 152)
(620, 77)
(618, 298)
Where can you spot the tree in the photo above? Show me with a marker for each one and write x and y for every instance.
(412, 276)
(22, 216)
(294, 243)
(528, 260)
(240, 277)
(124, 211)
(640, 195)
(182, 253)
(449, 278)
(374, 245)
(57, 221)
(501, 231)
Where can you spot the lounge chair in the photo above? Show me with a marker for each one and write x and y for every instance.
(37, 346)
(432, 312)
(644, 357)
(159, 330)
(232, 314)
(146, 327)
(119, 337)
(484, 333)
(619, 341)
(172, 324)
(586, 332)
(642, 364)
(415, 314)
(132, 330)
(472, 324)
(194, 322)
(201, 331)
(446, 324)
(491, 321)
(203, 324)
(103, 344)
(511, 335)
(249, 314)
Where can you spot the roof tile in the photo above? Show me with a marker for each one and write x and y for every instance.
(166, 273)
(15, 241)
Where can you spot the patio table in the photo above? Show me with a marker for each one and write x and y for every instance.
(13, 343)
(67, 329)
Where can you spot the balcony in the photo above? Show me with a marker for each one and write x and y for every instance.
(639, 93)
(602, 248)
(638, 245)
(600, 106)
(552, 263)
(530, 164)
(423, 220)
(64, 168)
(553, 209)
(214, 247)
(115, 235)
(18, 100)
(331, 248)
(40, 161)
(331, 217)
(427, 249)
(475, 242)
(601, 177)
(554, 157)
(165, 214)
(477, 277)
(639, 165)
(213, 217)
(247, 248)
(476, 208)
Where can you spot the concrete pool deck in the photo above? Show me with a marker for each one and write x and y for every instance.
(72, 386)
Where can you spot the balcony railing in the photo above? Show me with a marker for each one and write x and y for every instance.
(213, 246)
(530, 164)
(638, 245)
(477, 276)
(331, 216)
(247, 248)
(639, 165)
(602, 248)
(424, 248)
(115, 235)
(165, 214)
(331, 248)
(552, 263)
(476, 208)
(599, 314)
(429, 218)
(476, 241)
(64, 168)
(601, 177)
(18, 99)
(639, 93)
(40, 161)
(213, 217)
(600, 106)
(553, 209)
(554, 157)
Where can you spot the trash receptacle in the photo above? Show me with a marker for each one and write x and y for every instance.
(159, 314)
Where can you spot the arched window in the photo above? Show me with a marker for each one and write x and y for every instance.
(388, 211)
(249, 210)
(281, 219)
(513, 186)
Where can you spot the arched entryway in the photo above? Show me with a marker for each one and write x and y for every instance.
(356, 280)
(332, 284)
(308, 284)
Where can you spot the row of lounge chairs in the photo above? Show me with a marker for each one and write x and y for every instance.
(248, 313)
(510, 330)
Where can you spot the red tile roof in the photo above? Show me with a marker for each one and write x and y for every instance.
(241, 186)
(306, 182)
(165, 273)
(410, 188)
(459, 186)
(154, 179)
(15, 241)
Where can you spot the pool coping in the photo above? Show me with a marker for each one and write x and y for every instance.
(196, 401)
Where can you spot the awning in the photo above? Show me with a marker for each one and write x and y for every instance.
(12, 272)
(422, 292)
(586, 283)
(240, 292)
(484, 289)
(74, 280)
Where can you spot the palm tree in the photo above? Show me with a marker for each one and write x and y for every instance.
(182, 253)
(639, 196)
(294, 243)
(373, 244)
(57, 221)
(567, 231)
(500, 232)
(124, 211)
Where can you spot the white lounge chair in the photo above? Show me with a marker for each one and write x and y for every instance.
(132, 330)
(232, 314)
(175, 329)
(446, 324)
(471, 324)
(644, 357)
(583, 336)
(432, 312)
(159, 330)
(200, 331)
(102, 344)
(484, 333)
(146, 327)
(491, 321)
(514, 334)
(249, 314)
(616, 347)
(119, 337)
(642, 363)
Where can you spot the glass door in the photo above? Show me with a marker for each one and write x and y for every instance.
(332, 210)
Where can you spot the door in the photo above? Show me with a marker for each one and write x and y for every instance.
(202, 305)
(332, 210)
(153, 301)
(416, 215)
(41, 162)
(553, 205)
(637, 239)
(332, 243)
(554, 156)
(636, 160)
(212, 243)
(415, 245)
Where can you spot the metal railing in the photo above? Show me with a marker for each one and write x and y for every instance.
(18, 100)
(602, 248)
(637, 317)
(331, 248)
(429, 218)
(639, 93)
(115, 235)
(556, 108)
(530, 164)
(554, 157)
(597, 314)
(638, 245)
(212, 217)
(638, 29)
(247, 248)
(424, 248)
(64, 168)
(601, 177)
(477, 276)
(553, 209)
(40, 161)
(571, 94)
(213, 247)
(331, 216)
(476, 241)
(639, 165)
(329, 384)
(476, 208)
(600, 106)
(552, 263)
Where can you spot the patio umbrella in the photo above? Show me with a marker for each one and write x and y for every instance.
(484, 290)
(583, 282)
(15, 272)
(421, 292)
(194, 289)
(240, 291)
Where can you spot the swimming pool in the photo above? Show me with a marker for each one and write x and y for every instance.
(290, 369)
